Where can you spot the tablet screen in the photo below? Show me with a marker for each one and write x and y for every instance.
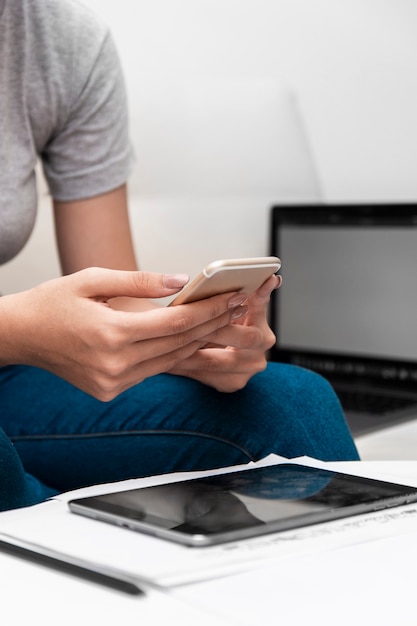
(242, 504)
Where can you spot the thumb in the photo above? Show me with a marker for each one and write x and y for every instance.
(96, 282)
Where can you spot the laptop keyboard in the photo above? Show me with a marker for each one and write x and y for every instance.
(369, 402)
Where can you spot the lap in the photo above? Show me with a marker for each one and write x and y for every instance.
(68, 439)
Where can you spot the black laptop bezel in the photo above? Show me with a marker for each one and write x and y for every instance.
(334, 366)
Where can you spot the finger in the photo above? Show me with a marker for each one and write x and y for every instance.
(188, 321)
(215, 361)
(121, 357)
(226, 370)
(236, 336)
(171, 345)
(258, 304)
(96, 282)
(108, 385)
(265, 290)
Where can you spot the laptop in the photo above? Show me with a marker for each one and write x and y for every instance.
(348, 304)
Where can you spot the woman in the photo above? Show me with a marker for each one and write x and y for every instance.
(98, 383)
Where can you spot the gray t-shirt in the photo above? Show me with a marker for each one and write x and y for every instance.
(62, 98)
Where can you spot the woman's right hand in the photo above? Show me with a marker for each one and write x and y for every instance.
(67, 326)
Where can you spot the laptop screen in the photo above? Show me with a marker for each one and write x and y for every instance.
(349, 296)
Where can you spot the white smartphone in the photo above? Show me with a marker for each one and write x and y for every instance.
(246, 275)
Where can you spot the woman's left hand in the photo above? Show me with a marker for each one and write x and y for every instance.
(236, 352)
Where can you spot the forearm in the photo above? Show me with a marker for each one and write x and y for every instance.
(16, 323)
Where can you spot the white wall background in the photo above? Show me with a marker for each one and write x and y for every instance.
(323, 92)
(352, 64)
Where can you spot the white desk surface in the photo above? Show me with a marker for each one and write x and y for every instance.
(371, 582)
(398, 443)
(34, 594)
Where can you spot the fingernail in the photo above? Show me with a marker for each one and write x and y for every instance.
(173, 281)
(240, 311)
(268, 288)
(237, 300)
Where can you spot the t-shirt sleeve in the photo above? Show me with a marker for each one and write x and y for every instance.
(91, 153)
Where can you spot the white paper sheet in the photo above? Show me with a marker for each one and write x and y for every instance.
(367, 583)
(51, 529)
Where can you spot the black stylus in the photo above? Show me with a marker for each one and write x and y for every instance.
(70, 568)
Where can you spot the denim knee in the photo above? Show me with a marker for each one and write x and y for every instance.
(17, 488)
(302, 413)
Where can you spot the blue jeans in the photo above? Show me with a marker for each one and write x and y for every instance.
(64, 438)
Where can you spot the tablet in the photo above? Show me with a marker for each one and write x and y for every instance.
(242, 504)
